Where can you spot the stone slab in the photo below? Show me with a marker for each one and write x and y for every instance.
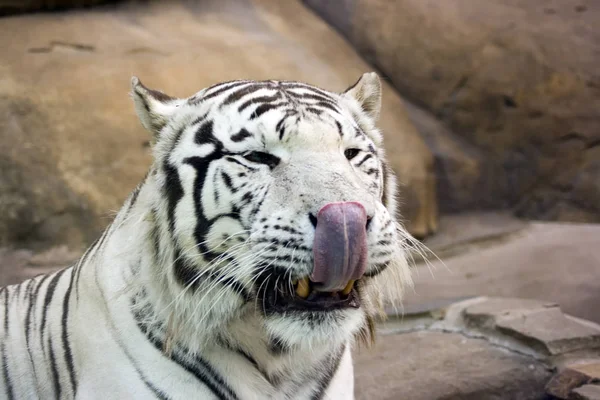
(561, 384)
(586, 392)
(540, 325)
(565, 383)
(435, 365)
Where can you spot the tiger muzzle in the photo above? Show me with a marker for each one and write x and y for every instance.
(340, 246)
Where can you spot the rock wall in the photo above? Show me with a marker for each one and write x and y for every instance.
(515, 81)
(72, 148)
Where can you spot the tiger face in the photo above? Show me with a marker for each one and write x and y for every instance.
(275, 204)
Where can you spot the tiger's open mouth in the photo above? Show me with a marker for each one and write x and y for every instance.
(305, 296)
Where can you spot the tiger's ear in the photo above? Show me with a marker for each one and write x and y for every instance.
(367, 92)
(153, 108)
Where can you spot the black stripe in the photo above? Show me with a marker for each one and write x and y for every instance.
(273, 380)
(314, 110)
(5, 373)
(382, 254)
(384, 197)
(320, 98)
(201, 165)
(47, 300)
(65, 336)
(133, 198)
(159, 394)
(325, 380)
(31, 285)
(321, 102)
(54, 370)
(245, 91)
(259, 203)
(204, 135)
(199, 367)
(240, 136)
(82, 261)
(364, 159)
(156, 391)
(259, 99)
(32, 303)
(280, 128)
(184, 273)
(173, 191)
(339, 127)
(376, 270)
(227, 179)
(232, 159)
(226, 86)
(263, 108)
(216, 192)
(314, 89)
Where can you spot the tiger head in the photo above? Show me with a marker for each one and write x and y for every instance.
(274, 208)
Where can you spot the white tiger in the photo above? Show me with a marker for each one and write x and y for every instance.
(243, 266)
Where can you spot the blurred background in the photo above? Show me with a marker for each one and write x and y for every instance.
(491, 117)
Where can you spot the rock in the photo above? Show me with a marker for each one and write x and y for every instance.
(72, 146)
(434, 365)
(550, 262)
(561, 384)
(586, 392)
(541, 326)
(571, 382)
(458, 164)
(515, 82)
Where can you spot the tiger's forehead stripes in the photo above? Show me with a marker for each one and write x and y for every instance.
(291, 97)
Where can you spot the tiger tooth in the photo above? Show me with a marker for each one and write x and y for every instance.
(348, 288)
(303, 288)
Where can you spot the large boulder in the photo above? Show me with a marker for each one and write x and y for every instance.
(72, 148)
(515, 80)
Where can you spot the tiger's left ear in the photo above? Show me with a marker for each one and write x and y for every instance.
(367, 92)
(154, 108)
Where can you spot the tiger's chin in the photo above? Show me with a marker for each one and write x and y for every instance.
(310, 330)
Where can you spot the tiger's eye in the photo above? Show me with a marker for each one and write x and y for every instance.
(351, 153)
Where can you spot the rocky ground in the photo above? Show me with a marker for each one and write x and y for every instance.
(449, 342)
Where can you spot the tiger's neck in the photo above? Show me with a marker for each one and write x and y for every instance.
(184, 322)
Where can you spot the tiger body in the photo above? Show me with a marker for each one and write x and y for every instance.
(189, 293)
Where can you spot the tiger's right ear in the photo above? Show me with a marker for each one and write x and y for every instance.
(154, 108)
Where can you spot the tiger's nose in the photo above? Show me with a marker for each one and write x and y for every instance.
(313, 219)
(340, 244)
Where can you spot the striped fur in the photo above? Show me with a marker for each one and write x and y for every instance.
(171, 302)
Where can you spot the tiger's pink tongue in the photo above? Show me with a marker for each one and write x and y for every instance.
(340, 247)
